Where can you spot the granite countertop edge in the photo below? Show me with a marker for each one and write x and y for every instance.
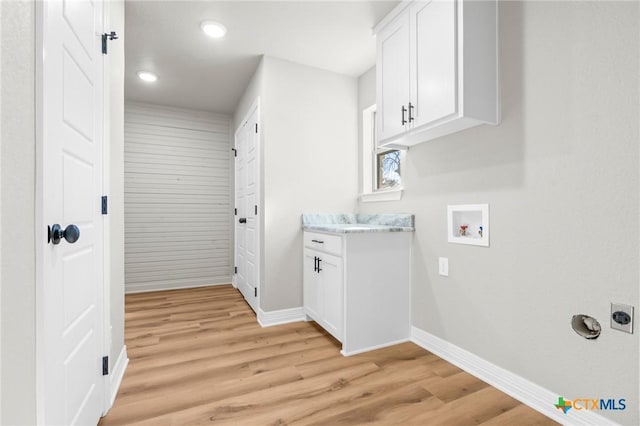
(357, 229)
(341, 223)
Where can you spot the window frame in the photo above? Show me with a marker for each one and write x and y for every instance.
(370, 155)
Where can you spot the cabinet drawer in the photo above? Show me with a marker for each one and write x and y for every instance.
(323, 242)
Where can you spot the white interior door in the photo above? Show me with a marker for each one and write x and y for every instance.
(246, 221)
(240, 211)
(71, 122)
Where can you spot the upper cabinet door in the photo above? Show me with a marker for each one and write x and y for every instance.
(393, 76)
(434, 61)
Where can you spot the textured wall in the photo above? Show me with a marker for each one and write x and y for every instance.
(561, 176)
(17, 222)
(177, 201)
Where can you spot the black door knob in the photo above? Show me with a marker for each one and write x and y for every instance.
(242, 220)
(71, 233)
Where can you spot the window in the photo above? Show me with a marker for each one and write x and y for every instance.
(381, 167)
(388, 169)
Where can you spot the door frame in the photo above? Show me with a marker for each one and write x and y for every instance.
(106, 222)
(255, 106)
(40, 231)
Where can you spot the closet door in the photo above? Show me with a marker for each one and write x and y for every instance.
(241, 211)
(247, 225)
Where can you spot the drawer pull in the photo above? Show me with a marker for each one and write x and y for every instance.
(317, 241)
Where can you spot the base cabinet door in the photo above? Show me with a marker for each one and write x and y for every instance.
(332, 293)
(311, 289)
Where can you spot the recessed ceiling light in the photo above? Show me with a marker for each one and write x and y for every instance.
(147, 76)
(213, 29)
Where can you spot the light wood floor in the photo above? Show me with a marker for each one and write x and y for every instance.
(198, 356)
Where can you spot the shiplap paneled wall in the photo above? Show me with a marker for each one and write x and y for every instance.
(178, 178)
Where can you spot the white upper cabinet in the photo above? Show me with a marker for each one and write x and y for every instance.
(437, 70)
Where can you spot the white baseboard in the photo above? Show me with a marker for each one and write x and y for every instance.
(117, 374)
(527, 392)
(373, 348)
(149, 288)
(283, 316)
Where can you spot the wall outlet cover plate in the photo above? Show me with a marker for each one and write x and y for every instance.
(443, 266)
(616, 307)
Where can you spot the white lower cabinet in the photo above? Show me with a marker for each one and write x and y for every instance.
(356, 286)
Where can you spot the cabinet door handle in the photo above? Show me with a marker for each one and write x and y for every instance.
(319, 269)
(315, 263)
(317, 241)
(404, 110)
(410, 112)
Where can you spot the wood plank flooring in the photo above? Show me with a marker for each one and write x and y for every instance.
(198, 356)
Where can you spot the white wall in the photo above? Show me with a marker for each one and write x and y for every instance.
(561, 176)
(254, 90)
(17, 177)
(177, 201)
(116, 177)
(309, 131)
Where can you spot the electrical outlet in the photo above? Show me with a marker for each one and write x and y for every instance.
(443, 266)
(622, 317)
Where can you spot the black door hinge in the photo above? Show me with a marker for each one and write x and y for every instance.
(235, 269)
(105, 365)
(256, 210)
(104, 204)
(235, 152)
(256, 127)
(255, 292)
(107, 36)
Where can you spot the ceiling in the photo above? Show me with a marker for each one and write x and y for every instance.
(195, 71)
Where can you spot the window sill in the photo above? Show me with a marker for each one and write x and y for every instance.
(390, 195)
